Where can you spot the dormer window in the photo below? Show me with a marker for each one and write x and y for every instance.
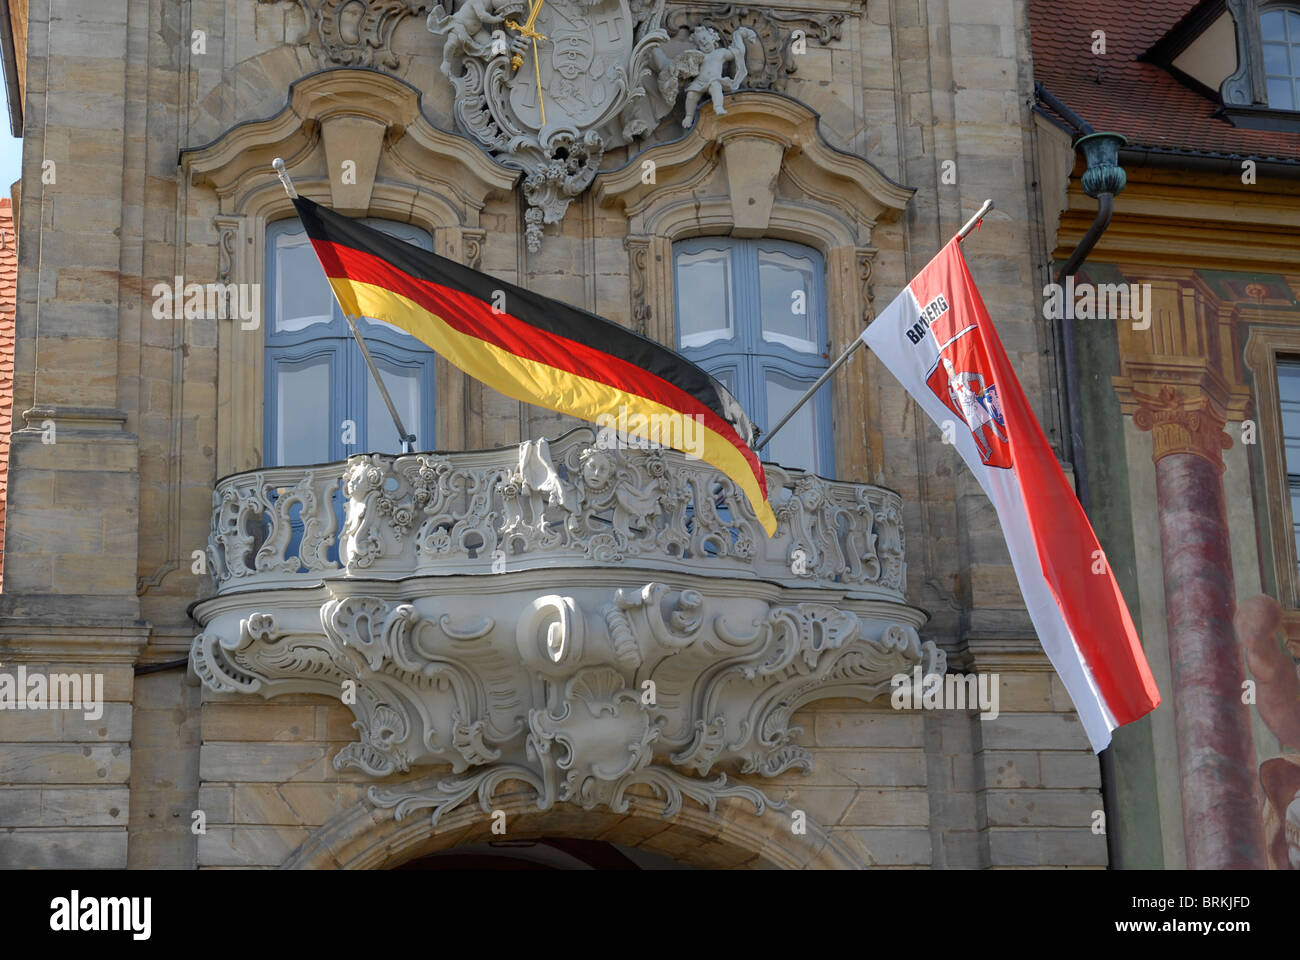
(1280, 36)
(1263, 91)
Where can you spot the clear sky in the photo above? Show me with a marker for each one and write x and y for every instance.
(11, 157)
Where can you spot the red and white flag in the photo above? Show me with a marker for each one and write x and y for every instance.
(938, 340)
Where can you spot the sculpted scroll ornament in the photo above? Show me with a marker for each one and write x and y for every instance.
(654, 690)
(639, 249)
(354, 33)
(723, 697)
(594, 77)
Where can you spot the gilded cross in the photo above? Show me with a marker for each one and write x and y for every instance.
(517, 61)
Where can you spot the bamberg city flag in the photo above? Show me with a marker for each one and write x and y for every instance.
(535, 349)
(938, 340)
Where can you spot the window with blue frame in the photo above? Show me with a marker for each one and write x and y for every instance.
(753, 314)
(322, 404)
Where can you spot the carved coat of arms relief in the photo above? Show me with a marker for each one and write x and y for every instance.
(548, 86)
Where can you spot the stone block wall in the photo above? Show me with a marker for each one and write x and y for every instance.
(65, 779)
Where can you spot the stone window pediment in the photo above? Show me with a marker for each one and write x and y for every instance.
(762, 170)
(403, 169)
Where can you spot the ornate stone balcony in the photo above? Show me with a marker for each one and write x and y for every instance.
(584, 620)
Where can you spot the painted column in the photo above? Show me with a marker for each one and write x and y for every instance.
(1216, 755)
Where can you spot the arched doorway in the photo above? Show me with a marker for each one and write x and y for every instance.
(544, 853)
(730, 837)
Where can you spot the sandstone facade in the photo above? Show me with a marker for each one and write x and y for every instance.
(887, 135)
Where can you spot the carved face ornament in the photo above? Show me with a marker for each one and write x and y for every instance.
(597, 469)
(706, 38)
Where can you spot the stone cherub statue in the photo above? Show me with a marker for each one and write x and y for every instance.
(707, 65)
(468, 30)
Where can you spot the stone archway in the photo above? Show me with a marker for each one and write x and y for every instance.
(733, 837)
(544, 854)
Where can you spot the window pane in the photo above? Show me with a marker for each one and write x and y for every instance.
(1276, 61)
(796, 444)
(1288, 383)
(403, 385)
(407, 232)
(1272, 25)
(1280, 94)
(704, 303)
(786, 290)
(302, 293)
(302, 405)
(370, 323)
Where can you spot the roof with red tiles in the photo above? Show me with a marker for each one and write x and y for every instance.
(8, 304)
(1118, 92)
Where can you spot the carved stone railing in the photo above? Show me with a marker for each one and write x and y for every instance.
(642, 634)
(570, 503)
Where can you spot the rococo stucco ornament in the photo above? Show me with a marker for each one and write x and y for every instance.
(781, 34)
(651, 691)
(354, 33)
(549, 87)
(589, 622)
(548, 504)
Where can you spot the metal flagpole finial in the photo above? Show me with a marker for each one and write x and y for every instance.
(283, 174)
(973, 222)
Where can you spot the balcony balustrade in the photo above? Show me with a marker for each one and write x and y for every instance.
(592, 622)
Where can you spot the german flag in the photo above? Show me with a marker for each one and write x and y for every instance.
(537, 350)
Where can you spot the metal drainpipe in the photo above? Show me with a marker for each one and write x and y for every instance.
(1102, 180)
(1072, 118)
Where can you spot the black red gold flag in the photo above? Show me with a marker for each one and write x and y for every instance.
(536, 349)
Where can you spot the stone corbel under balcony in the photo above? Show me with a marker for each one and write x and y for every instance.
(593, 623)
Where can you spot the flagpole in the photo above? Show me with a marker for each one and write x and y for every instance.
(858, 341)
(842, 359)
(974, 221)
(408, 439)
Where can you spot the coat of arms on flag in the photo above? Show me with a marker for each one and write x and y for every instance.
(959, 382)
(958, 372)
